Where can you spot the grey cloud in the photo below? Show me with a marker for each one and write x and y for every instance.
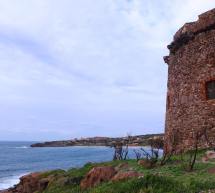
(76, 68)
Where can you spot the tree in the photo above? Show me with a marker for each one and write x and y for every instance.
(121, 149)
(174, 139)
(138, 154)
(198, 135)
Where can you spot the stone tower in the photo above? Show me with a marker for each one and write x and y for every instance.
(191, 84)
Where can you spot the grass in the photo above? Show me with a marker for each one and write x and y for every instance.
(170, 178)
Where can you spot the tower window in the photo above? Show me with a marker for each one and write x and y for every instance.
(210, 89)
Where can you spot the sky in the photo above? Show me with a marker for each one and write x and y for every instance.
(86, 68)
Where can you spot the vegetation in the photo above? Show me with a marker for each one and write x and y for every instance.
(169, 178)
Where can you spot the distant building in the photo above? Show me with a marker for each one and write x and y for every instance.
(191, 83)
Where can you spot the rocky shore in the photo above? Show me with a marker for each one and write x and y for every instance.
(138, 140)
(28, 184)
(124, 176)
(38, 182)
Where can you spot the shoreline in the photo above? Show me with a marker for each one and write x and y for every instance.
(10, 182)
(11, 179)
(133, 175)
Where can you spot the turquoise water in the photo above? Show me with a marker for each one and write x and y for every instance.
(18, 158)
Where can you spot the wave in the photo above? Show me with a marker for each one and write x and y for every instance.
(22, 147)
(9, 182)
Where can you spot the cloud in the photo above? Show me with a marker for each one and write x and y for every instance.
(78, 66)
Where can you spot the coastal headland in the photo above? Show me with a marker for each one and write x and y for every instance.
(138, 140)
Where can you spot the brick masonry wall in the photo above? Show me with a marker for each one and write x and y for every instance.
(191, 64)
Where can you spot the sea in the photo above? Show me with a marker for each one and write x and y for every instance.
(18, 159)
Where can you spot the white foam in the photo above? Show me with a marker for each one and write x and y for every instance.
(9, 182)
(22, 147)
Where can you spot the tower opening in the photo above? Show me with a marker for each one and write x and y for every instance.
(210, 89)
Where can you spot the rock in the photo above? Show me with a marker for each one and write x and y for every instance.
(211, 170)
(204, 159)
(97, 175)
(122, 166)
(210, 154)
(145, 163)
(126, 175)
(29, 184)
(43, 184)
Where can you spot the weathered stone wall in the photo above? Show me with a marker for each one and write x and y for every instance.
(191, 64)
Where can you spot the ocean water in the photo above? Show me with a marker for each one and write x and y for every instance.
(18, 159)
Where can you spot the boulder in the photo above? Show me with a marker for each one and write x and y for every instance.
(126, 175)
(211, 170)
(29, 183)
(122, 166)
(210, 154)
(146, 163)
(204, 159)
(97, 175)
